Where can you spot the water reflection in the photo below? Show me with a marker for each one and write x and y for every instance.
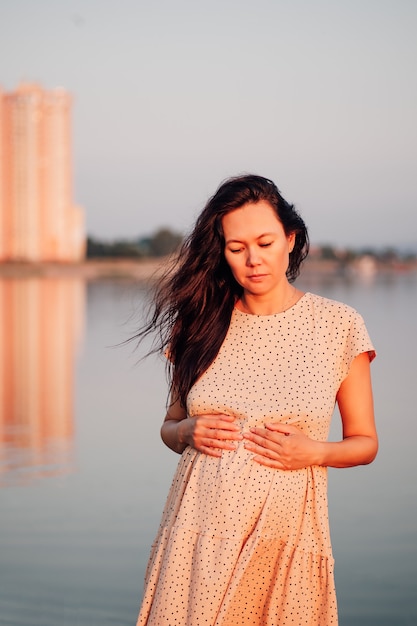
(41, 322)
(74, 547)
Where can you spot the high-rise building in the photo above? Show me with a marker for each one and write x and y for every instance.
(38, 219)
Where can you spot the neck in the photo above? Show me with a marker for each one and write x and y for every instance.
(269, 304)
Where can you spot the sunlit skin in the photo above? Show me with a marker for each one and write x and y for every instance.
(257, 250)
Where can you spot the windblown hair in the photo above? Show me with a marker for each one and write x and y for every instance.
(194, 300)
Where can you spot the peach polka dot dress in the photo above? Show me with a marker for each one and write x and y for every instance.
(241, 544)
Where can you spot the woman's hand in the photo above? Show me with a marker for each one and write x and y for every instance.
(285, 447)
(282, 446)
(209, 433)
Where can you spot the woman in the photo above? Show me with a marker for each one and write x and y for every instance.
(256, 366)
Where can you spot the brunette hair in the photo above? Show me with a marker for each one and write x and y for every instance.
(194, 300)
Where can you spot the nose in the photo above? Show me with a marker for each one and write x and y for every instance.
(253, 257)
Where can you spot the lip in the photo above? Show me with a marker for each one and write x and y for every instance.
(256, 277)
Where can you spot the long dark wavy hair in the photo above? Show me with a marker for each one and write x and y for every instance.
(194, 300)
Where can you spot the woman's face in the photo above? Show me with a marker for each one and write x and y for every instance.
(257, 248)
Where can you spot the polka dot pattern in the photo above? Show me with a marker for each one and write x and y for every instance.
(242, 544)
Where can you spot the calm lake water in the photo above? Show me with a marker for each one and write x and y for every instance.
(84, 475)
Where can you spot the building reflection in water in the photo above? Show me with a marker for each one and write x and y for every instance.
(41, 322)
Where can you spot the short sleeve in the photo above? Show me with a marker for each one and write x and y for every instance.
(357, 341)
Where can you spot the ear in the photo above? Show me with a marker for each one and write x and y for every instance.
(291, 242)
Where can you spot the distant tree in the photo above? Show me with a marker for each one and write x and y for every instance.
(367, 251)
(409, 257)
(388, 255)
(96, 248)
(123, 248)
(119, 248)
(144, 245)
(328, 253)
(164, 242)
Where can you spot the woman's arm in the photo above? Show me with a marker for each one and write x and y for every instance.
(285, 447)
(209, 433)
(169, 429)
(355, 401)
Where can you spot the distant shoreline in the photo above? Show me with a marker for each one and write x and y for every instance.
(149, 270)
(143, 270)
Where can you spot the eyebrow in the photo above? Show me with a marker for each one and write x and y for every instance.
(259, 237)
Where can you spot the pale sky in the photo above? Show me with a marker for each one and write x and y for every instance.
(171, 97)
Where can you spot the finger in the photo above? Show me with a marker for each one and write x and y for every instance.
(226, 418)
(262, 437)
(217, 431)
(285, 429)
(219, 443)
(214, 447)
(226, 425)
(274, 464)
(225, 434)
(201, 431)
(220, 424)
(223, 417)
(261, 450)
(216, 452)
